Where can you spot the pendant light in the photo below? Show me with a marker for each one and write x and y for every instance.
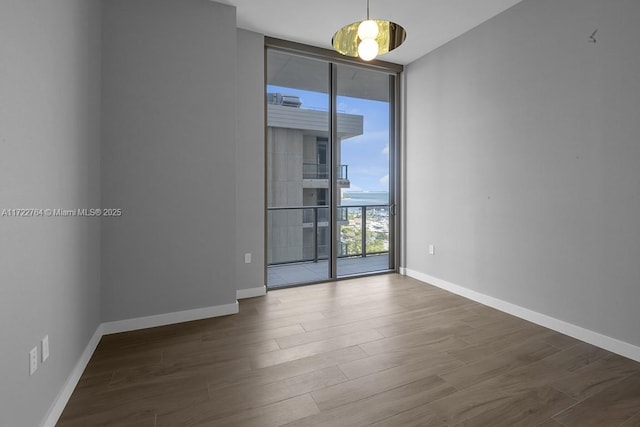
(369, 38)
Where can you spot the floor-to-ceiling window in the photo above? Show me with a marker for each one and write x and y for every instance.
(331, 170)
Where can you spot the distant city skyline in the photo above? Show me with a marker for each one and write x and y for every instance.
(367, 155)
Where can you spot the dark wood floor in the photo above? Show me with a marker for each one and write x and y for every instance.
(384, 351)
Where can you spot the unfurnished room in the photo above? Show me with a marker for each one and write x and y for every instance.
(287, 213)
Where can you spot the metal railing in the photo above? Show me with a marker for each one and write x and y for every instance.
(343, 172)
(362, 229)
(281, 231)
(321, 171)
(367, 231)
(318, 214)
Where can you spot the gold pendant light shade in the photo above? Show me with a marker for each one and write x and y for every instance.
(369, 38)
(390, 35)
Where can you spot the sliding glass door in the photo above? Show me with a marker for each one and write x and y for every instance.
(298, 165)
(330, 169)
(366, 178)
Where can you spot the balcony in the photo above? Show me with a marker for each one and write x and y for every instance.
(299, 237)
(290, 274)
(317, 175)
(321, 171)
(313, 121)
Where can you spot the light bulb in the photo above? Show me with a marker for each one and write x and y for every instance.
(368, 49)
(368, 29)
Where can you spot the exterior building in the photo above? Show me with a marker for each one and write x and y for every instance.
(298, 157)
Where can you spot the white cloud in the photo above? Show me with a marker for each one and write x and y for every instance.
(385, 150)
(384, 180)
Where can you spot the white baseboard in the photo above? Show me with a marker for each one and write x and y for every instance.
(402, 271)
(67, 390)
(125, 326)
(611, 344)
(251, 292)
(168, 318)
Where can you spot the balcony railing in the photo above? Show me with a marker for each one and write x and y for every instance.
(343, 172)
(316, 214)
(366, 232)
(321, 171)
(300, 233)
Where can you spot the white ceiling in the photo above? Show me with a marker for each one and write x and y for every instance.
(429, 23)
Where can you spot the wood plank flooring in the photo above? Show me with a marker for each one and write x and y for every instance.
(383, 351)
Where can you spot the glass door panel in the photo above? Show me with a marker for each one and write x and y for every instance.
(298, 153)
(365, 137)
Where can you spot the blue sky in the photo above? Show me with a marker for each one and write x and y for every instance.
(368, 154)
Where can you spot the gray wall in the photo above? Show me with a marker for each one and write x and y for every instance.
(523, 142)
(250, 161)
(49, 158)
(168, 156)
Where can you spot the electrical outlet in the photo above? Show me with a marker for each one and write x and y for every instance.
(247, 258)
(33, 360)
(45, 348)
(432, 250)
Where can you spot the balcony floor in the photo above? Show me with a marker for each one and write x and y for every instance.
(304, 272)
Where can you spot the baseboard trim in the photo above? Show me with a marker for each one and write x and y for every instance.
(251, 292)
(125, 326)
(402, 271)
(611, 344)
(67, 390)
(168, 318)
